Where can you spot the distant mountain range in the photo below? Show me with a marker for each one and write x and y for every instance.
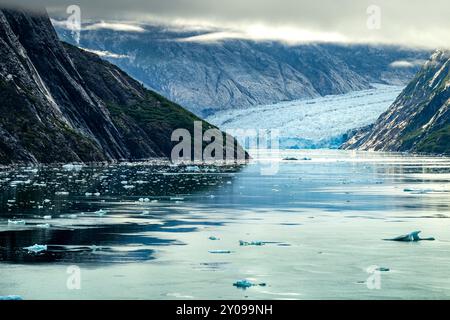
(419, 119)
(210, 76)
(59, 103)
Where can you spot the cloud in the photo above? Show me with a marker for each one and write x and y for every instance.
(115, 26)
(403, 22)
(406, 64)
(106, 54)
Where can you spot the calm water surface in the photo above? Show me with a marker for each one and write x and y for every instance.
(142, 231)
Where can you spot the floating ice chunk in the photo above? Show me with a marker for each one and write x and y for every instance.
(176, 198)
(47, 217)
(72, 167)
(97, 194)
(192, 169)
(213, 238)
(36, 248)
(11, 297)
(47, 201)
(382, 269)
(69, 216)
(418, 191)
(145, 213)
(154, 201)
(43, 226)
(413, 236)
(128, 186)
(252, 243)
(220, 251)
(62, 193)
(244, 284)
(101, 212)
(88, 194)
(16, 222)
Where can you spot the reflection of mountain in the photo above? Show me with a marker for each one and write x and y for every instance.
(207, 77)
(60, 103)
(419, 119)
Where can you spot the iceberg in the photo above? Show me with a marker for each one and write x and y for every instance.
(37, 248)
(244, 284)
(251, 243)
(11, 297)
(413, 236)
(16, 222)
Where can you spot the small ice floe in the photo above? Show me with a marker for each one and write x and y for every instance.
(72, 167)
(37, 248)
(245, 284)
(176, 198)
(68, 216)
(43, 226)
(251, 243)
(97, 194)
(192, 169)
(16, 222)
(418, 191)
(213, 238)
(101, 212)
(382, 269)
(88, 194)
(62, 193)
(290, 159)
(220, 251)
(128, 186)
(10, 297)
(47, 217)
(413, 236)
(145, 213)
(47, 200)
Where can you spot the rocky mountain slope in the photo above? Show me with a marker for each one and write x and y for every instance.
(59, 103)
(419, 119)
(237, 73)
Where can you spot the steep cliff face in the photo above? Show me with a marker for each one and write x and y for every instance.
(419, 119)
(207, 77)
(59, 103)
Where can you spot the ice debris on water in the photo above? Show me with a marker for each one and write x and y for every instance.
(192, 169)
(37, 248)
(213, 238)
(244, 284)
(11, 297)
(413, 236)
(251, 243)
(43, 226)
(101, 212)
(16, 222)
(382, 269)
(220, 251)
(47, 217)
(72, 167)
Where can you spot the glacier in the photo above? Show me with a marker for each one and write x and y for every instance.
(317, 123)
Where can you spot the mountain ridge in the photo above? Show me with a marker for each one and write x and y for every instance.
(62, 104)
(235, 73)
(419, 119)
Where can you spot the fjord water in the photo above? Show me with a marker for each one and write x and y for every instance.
(142, 230)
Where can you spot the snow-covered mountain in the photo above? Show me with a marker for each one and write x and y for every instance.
(419, 119)
(236, 73)
(322, 122)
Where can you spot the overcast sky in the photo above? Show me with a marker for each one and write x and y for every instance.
(406, 22)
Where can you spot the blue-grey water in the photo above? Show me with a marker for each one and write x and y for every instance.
(145, 230)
